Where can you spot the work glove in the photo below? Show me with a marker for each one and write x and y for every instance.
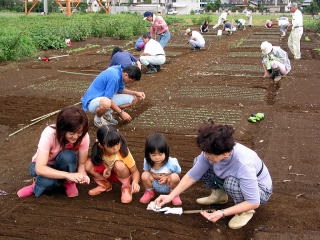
(171, 210)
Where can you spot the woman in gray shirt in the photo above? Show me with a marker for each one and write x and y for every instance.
(231, 170)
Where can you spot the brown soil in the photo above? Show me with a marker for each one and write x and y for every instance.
(223, 82)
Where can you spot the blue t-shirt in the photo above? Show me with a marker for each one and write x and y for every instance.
(124, 59)
(172, 166)
(106, 84)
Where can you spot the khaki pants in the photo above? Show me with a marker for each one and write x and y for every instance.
(294, 42)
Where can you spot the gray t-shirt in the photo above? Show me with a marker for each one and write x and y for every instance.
(243, 164)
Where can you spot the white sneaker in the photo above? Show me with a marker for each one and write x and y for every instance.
(217, 196)
(99, 121)
(241, 219)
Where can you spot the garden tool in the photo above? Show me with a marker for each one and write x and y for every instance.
(173, 210)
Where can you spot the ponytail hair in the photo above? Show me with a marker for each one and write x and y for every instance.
(108, 136)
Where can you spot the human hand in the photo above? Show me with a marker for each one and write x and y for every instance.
(78, 178)
(212, 216)
(163, 179)
(162, 200)
(135, 187)
(140, 95)
(106, 173)
(266, 75)
(125, 116)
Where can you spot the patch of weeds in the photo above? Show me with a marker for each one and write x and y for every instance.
(307, 39)
(317, 50)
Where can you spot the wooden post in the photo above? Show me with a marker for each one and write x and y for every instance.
(68, 8)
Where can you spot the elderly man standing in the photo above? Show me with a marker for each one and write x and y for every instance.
(158, 27)
(153, 55)
(296, 31)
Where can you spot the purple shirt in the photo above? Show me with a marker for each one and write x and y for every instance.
(243, 164)
(124, 59)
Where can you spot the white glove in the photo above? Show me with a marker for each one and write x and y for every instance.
(169, 210)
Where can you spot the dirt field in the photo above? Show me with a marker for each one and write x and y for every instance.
(223, 82)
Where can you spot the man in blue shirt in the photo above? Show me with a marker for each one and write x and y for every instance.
(107, 93)
(123, 58)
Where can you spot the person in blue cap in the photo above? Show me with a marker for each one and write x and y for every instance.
(158, 27)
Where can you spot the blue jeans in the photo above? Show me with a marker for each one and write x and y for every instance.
(118, 99)
(164, 38)
(66, 161)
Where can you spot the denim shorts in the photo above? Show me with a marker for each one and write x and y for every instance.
(160, 188)
(118, 99)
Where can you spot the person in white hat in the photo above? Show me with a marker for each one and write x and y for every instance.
(153, 54)
(196, 40)
(296, 31)
(275, 61)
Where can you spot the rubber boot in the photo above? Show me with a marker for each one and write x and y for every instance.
(126, 194)
(241, 219)
(103, 186)
(26, 191)
(71, 189)
(217, 196)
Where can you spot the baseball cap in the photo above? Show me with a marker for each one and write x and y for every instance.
(147, 14)
(188, 30)
(293, 4)
(266, 47)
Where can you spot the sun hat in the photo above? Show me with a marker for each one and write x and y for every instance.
(188, 30)
(147, 14)
(266, 47)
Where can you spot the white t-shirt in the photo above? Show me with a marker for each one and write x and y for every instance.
(196, 36)
(153, 48)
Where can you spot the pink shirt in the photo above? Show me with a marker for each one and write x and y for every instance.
(158, 26)
(48, 143)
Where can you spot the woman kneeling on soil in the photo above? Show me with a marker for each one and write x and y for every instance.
(275, 61)
(61, 155)
(229, 169)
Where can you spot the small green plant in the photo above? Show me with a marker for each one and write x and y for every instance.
(307, 39)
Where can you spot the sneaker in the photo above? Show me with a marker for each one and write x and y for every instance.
(99, 121)
(217, 196)
(176, 201)
(71, 189)
(26, 191)
(157, 67)
(109, 118)
(151, 69)
(147, 196)
(126, 195)
(240, 220)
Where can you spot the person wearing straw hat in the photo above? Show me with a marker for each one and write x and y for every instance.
(275, 61)
(196, 40)
(158, 27)
(296, 31)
